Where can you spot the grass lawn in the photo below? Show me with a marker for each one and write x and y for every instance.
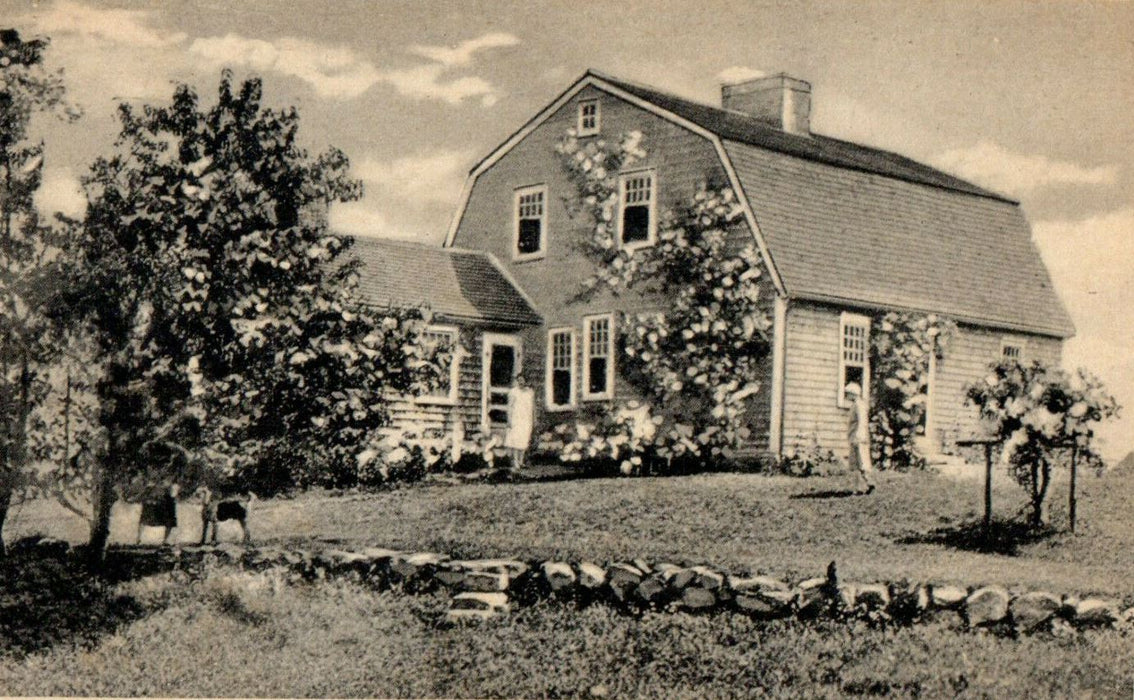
(241, 634)
(910, 527)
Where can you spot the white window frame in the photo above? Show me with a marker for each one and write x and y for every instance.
(584, 130)
(1006, 343)
(847, 319)
(540, 189)
(652, 233)
(609, 393)
(454, 334)
(488, 340)
(549, 383)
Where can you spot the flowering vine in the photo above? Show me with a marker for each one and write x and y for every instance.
(693, 363)
(901, 345)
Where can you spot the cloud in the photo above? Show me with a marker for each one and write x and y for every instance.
(339, 73)
(1089, 261)
(360, 219)
(333, 72)
(417, 181)
(462, 53)
(738, 74)
(129, 27)
(60, 191)
(994, 166)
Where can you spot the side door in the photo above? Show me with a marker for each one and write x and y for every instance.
(500, 361)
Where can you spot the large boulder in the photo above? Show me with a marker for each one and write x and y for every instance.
(1031, 611)
(698, 599)
(986, 606)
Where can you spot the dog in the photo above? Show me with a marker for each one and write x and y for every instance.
(216, 509)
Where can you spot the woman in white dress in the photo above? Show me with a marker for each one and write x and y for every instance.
(521, 408)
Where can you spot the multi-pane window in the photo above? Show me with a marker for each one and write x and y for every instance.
(443, 340)
(1011, 351)
(636, 225)
(531, 220)
(588, 117)
(854, 354)
(561, 368)
(598, 357)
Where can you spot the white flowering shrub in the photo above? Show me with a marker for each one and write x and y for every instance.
(900, 348)
(411, 454)
(1041, 413)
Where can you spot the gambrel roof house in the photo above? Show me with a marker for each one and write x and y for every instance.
(844, 230)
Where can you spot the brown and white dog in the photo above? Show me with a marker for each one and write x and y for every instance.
(216, 509)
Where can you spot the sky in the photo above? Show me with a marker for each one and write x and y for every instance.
(1030, 99)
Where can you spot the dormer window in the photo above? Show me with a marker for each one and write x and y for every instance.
(531, 222)
(637, 226)
(589, 117)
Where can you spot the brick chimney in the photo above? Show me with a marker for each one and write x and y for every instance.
(780, 100)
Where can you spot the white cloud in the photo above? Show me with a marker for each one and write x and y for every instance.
(60, 191)
(462, 53)
(360, 219)
(738, 74)
(416, 181)
(1089, 261)
(333, 72)
(129, 27)
(337, 72)
(994, 166)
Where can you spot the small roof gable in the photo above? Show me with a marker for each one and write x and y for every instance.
(453, 283)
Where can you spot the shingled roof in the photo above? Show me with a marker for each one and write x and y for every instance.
(856, 225)
(455, 284)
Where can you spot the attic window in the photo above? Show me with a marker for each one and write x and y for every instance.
(1011, 350)
(854, 355)
(589, 118)
(531, 222)
(636, 225)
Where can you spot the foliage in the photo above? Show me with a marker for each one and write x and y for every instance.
(808, 459)
(900, 348)
(411, 454)
(698, 357)
(1042, 414)
(28, 249)
(223, 311)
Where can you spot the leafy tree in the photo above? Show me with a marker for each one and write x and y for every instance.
(1042, 414)
(27, 253)
(222, 309)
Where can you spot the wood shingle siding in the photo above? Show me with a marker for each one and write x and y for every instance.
(811, 379)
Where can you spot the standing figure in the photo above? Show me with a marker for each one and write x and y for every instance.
(160, 512)
(858, 438)
(521, 407)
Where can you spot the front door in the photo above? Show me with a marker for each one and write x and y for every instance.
(500, 363)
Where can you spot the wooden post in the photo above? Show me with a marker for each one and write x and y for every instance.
(1071, 497)
(987, 489)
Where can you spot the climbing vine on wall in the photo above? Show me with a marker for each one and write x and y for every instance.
(695, 362)
(901, 345)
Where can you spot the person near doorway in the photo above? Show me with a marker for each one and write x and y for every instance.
(858, 438)
(521, 408)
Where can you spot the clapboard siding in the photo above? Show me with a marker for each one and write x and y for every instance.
(811, 376)
(967, 359)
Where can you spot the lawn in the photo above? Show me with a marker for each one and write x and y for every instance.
(242, 634)
(743, 522)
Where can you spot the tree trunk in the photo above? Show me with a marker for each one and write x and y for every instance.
(1042, 474)
(104, 498)
(5, 502)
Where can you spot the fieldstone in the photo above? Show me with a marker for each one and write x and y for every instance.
(622, 579)
(986, 606)
(682, 578)
(765, 604)
(379, 556)
(643, 566)
(666, 570)
(811, 583)
(755, 583)
(909, 600)
(591, 576)
(511, 567)
(477, 606)
(484, 581)
(947, 597)
(847, 593)
(698, 599)
(558, 575)
(410, 566)
(1032, 610)
(707, 578)
(872, 596)
(652, 590)
(449, 574)
(1094, 612)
